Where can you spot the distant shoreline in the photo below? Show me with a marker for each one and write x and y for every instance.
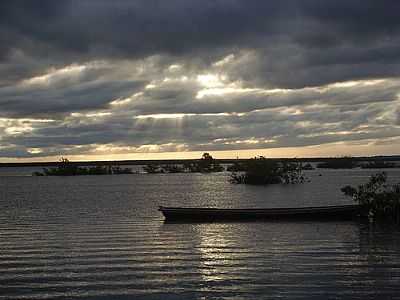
(181, 161)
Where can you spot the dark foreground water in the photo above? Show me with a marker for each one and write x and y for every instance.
(101, 237)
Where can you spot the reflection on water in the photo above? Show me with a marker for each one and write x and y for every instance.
(103, 238)
(307, 260)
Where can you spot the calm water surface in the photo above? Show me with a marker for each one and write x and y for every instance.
(101, 237)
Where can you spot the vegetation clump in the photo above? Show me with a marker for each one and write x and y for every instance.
(379, 200)
(260, 171)
(67, 168)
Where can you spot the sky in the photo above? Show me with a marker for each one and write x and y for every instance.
(173, 79)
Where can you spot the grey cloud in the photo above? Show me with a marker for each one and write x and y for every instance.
(62, 96)
(181, 98)
(291, 36)
(288, 65)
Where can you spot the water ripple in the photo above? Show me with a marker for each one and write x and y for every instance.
(60, 246)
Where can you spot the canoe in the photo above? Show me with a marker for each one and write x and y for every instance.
(342, 212)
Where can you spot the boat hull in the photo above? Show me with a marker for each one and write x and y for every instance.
(345, 212)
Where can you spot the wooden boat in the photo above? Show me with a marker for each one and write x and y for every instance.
(342, 212)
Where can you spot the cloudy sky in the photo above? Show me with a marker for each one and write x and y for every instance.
(172, 79)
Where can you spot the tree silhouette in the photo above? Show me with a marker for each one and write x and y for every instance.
(260, 170)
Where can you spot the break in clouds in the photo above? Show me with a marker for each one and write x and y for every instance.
(102, 77)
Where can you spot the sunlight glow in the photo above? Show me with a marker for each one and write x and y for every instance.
(25, 120)
(222, 91)
(353, 83)
(226, 60)
(386, 146)
(34, 150)
(252, 140)
(119, 102)
(54, 74)
(174, 68)
(211, 80)
(181, 115)
(108, 149)
(328, 133)
(150, 86)
(16, 130)
(163, 116)
(21, 126)
(91, 115)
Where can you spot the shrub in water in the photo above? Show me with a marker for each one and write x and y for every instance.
(260, 170)
(380, 200)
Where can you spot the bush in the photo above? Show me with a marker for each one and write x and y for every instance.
(260, 170)
(379, 200)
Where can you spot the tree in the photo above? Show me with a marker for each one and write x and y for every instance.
(64, 168)
(207, 164)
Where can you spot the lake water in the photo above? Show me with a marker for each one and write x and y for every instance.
(101, 237)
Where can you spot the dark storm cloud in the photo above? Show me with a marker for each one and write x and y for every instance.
(69, 89)
(58, 101)
(292, 34)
